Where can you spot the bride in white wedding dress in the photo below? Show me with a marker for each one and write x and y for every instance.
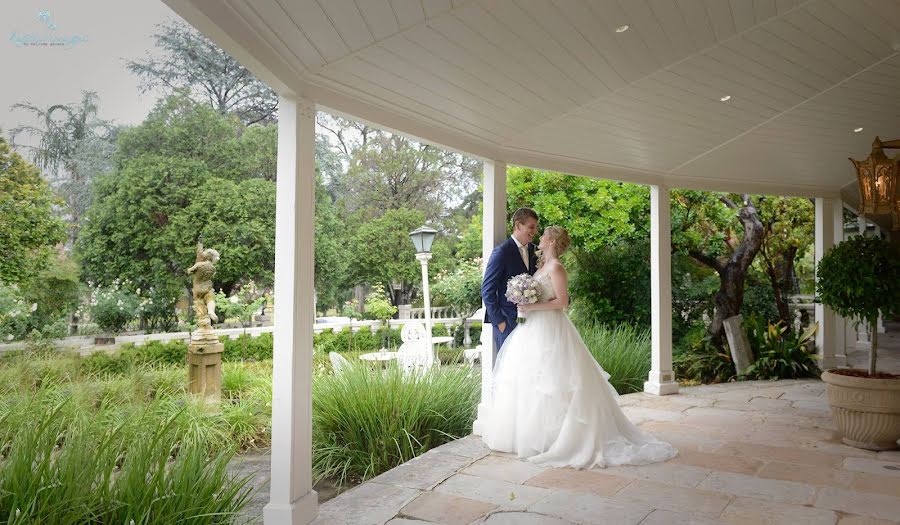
(552, 402)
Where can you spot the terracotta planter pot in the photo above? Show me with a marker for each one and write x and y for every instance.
(866, 411)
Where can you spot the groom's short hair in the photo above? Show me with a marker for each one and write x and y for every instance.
(523, 214)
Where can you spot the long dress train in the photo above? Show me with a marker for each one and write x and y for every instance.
(553, 404)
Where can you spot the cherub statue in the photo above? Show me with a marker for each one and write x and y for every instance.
(204, 296)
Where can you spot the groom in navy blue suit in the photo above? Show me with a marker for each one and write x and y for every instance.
(512, 257)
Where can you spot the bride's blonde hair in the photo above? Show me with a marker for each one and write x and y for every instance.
(561, 241)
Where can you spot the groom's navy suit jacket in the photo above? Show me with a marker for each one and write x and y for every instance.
(505, 262)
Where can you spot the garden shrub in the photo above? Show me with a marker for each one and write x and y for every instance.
(780, 354)
(113, 307)
(623, 351)
(612, 286)
(704, 362)
(365, 424)
(88, 449)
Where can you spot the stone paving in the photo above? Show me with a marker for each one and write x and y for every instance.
(757, 452)
(888, 351)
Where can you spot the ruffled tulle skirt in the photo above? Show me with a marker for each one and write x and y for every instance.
(553, 404)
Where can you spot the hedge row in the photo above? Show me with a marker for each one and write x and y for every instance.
(347, 343)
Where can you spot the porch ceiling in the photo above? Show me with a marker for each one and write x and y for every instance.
(551, 84)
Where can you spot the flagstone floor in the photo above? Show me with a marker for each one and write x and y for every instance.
(756, 452)
(750, 453)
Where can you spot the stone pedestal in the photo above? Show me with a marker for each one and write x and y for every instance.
(205, 369)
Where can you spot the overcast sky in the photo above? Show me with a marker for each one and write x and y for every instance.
(98, 36)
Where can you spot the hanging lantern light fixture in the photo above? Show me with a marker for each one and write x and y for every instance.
(879, 181)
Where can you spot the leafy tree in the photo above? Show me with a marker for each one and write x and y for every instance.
(186, 174)
(460, 288)
(722, 235)
(235, 218)
(612, 285)
(596, 213)
(392, 172)
(789, 225)
(178, 127)
(609, 223)
(74, 146)
(180, 177)
(383, 255)
(28, 228)
(332, 246)
(192, 63)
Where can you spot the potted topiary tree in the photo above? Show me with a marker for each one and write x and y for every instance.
(860, 279)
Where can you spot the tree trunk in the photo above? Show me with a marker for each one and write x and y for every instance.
(780, 273)
(733, 271)
(873, 353)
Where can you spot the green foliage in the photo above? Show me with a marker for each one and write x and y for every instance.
(703, 224)
(235, 218)
(245, 347)
(860, 278)
(157, 307)
(378, 306)
(241, 305)
(612, 286)
(388, 171)
(180, 178)
(780, 354)
(113, 307)
(384, 253)
(623, 351)
(597, 213)
(702, 361)
(28, 227)
(366, 423)
(42, 305)
(73, 147)
(460, 288)
(758, 299)
(693, 286)
(81, 448)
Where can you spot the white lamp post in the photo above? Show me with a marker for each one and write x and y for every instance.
(422, 238)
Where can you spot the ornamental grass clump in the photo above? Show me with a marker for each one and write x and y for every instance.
(366, 422)
(63, 463)
(623, 351)
(100, 447)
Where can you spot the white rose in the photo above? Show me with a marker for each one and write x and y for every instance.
(33, 307)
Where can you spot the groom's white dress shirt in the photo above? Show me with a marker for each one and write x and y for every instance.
(523, 251)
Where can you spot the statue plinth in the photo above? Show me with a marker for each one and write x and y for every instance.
(205, 350)
(205, 368)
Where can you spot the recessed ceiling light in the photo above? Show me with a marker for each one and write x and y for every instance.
(857, 130)
(726, 98)
(622, 29)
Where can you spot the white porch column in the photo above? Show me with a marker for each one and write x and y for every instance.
(291, 498)
(662, 379)
(493, 232)
(829, 231)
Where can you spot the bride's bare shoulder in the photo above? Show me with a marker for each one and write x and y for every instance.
(556, 267)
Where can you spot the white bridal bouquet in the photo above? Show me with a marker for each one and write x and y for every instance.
(522, 289)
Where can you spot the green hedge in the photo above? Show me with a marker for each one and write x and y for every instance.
(347, 343)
